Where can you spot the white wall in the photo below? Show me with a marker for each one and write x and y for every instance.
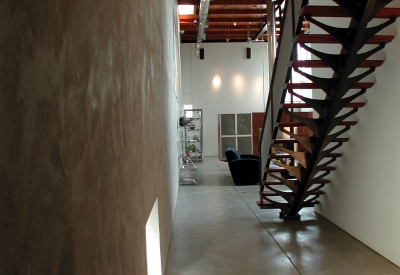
(363, 197)
(243, 83)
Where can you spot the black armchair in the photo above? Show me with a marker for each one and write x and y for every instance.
(245, 169)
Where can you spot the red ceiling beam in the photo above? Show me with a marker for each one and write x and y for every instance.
(223, 2)
(227, 20)
(237, 11)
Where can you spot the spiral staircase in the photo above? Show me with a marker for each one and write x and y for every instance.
(299, 148)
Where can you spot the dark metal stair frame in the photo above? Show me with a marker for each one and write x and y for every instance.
(342, 87)
(310, 172)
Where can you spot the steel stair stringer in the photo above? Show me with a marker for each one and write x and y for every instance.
(300, 174)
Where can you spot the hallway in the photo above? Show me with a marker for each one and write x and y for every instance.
(218, 229)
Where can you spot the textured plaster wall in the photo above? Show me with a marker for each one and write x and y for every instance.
(87, 134)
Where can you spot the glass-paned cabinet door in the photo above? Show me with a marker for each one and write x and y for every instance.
(243, 124)
(228, 122)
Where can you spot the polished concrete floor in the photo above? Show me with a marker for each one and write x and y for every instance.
(218, 229)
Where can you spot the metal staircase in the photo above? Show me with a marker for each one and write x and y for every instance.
(296, 164)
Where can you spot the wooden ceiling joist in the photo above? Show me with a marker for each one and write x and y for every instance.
(233, 16)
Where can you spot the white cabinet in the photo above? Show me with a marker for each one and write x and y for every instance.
(234, 130)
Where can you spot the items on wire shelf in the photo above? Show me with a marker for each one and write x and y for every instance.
(188, 172)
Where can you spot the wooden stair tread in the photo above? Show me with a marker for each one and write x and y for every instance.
(268, 205)
(286, 155)
(299, 124)
(294, 86)
(273, 194)
(281, 169)
(329, 39)
(292, 140)
(322, 64)
(277, 182)
(305, 105)
(388, 12)
(336, 11)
